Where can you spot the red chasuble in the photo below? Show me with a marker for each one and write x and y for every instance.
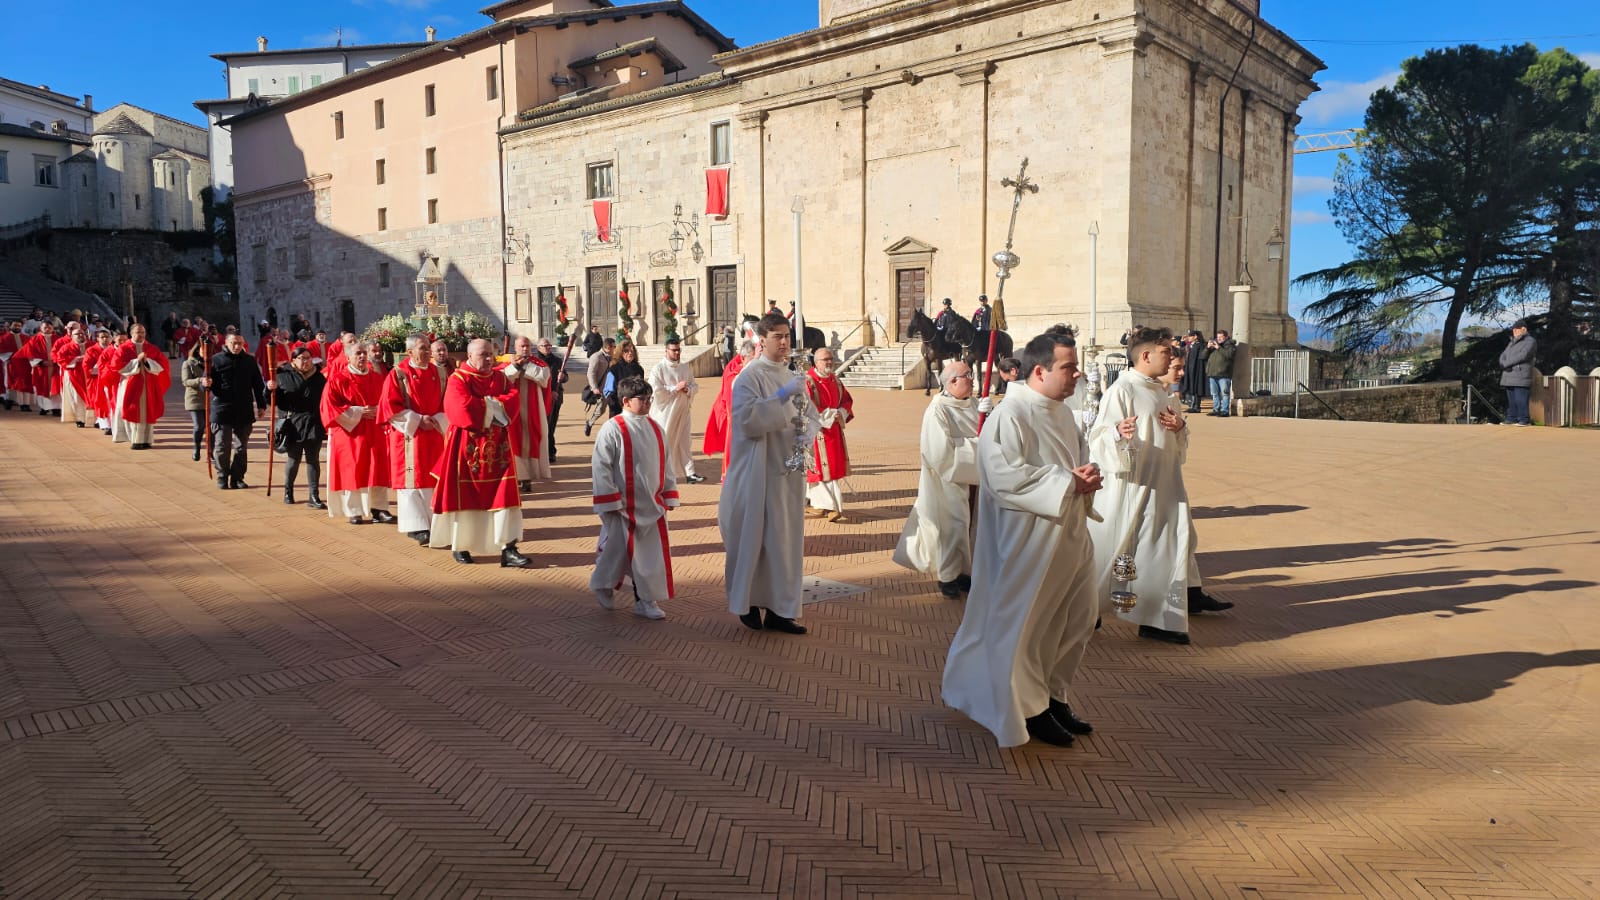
(717, 425)
(143, 393)
(26, 376)
(421, 391)
(8, 344)
(357, 458)
(70, 363)
(186, 338)
(110, 375)
(280, 355)
(833, 462)
(476, 470)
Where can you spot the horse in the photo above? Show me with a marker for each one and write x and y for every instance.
(814, 339)
(937, 346)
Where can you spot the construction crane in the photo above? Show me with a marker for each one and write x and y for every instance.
(1348, 139)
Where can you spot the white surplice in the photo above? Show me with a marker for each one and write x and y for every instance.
(937, 538)
(633, 489)
(762, 510)
(531, 376)
(1144, 493)
(1031, 610)
(669, 407)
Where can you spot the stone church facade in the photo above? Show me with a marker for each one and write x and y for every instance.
(141, 171)
(889, 128)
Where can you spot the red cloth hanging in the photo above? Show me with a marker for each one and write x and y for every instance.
(602, 220)
(717, 192)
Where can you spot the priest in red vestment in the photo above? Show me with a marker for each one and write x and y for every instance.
(30, 370)
(186, 337)
(94, 397)
(108, 375)
(476, 507)
(717, 425)
(529, 376)
(10, 343)
(142, 392)
(318, 346)
(71, 374)
(358, 456)
(272, 351)
(831, 461)
(412, 412)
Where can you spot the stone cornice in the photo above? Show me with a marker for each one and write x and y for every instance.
(1128, 38)
(307, 185)
(854, 99)
(974, 73)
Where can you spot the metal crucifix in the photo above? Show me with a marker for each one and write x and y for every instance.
(1004, 262)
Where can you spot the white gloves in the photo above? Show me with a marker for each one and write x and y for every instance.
(792, 388)
(828, 417)
(985, 405)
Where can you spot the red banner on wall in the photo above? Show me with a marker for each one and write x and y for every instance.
(717, 192)
(602, 220)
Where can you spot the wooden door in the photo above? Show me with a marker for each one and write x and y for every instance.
(658, 328)
(603, 299)
(911, 294)
(724, 296)
(347, 315)
(547, 313)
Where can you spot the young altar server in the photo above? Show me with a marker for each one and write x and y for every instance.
(634, 487)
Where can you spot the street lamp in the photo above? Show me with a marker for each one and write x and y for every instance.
(683, 230)
(1275, 245)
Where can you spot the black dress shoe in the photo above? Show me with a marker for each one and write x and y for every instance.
(421, 537)
(1045, 727)
(27, 408)
(44, 412)
(525, 486)
(357, 520)
(197, 456)
(964, 582)
(80, 424)
(695, 479)
(316, 503)
(752, 619)
(775, 622)
(383, 517)
(288, 497)
(1070, 722)
(222, 484)
(511, 559)
(951, 589)
(462, 556)
(1161, 634)
(236, 483)
(1202, 602)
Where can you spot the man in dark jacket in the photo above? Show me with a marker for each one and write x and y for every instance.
(238, 395)
(592, 341)
(298, 387)
(557, 363)
(1219, 371)
(1516, 373)
(1193, 385)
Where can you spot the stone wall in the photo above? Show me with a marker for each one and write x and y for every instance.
(1434, 403)
(93, 261)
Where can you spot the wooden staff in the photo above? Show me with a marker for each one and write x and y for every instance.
(205, 401)
(272, 419)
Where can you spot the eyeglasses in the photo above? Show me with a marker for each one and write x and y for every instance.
(960, 377)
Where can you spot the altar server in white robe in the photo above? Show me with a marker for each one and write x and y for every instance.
(762, 510)
(937, 538)
(1145, 506)
(673, 387)
(1032, 607)
(633, 489)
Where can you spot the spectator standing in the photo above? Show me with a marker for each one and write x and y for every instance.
(1219, 372)
(1516, 373)
(558, 381)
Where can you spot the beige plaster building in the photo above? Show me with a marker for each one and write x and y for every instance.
(890, 127)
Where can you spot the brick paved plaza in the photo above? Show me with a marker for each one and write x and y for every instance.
(208, 694)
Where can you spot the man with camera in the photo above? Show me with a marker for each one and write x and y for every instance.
(1219, 355)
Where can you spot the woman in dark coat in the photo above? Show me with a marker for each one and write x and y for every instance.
(298, 386)
(1193, 385)
(624, 362)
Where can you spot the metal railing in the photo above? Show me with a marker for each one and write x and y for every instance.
(1466, 403)
(1300, 388)
(1279, 373)
(24, 228)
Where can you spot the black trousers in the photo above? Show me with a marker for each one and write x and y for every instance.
(555, 413)
(311, 452)
(197, 417)
(230, 444)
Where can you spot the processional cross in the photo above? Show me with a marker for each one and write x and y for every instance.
(1004, 262)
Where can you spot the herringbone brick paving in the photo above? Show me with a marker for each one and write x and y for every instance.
(209, 694)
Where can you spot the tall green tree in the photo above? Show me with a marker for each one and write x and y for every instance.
(1441, 204)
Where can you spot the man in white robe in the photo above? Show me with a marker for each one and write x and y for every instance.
(674, 388)
(633, 488)
(937, 538)
(1032, 607)
(530, 378)
(762, 510)
(1145, 506)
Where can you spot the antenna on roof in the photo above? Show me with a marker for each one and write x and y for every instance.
(338, 35)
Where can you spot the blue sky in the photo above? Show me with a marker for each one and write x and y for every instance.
(122, 51)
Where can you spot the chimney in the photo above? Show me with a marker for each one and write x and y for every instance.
(261, 44)
(431, 32)
(88, 102)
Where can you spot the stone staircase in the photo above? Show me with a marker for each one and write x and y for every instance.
(13, 305)
(893, 367)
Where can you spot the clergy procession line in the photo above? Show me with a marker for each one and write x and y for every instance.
(1036, 521)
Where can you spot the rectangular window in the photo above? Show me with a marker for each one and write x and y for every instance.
(430, 160)
(600, 181)
(383, 219)
(383, 274)
(316, 80)
(433, 211)
(294, 84)
(254, 86)
(302, 256)
(5, 173)
(720, 155)
(172, 179)
(338, 126)
(136, 202)
(428, 107)
(258, 261)
(491, 82)
(44, 168)
(112, 196)
(377, 114)
(380, 173)
(280, 258)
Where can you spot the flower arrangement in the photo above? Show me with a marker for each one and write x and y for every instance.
(624, 317)
(458, 331)
(669, 314)
(390, 332)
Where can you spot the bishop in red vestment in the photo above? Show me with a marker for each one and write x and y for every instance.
(142, 392)
(358, 455)
(831, 461)
(476, 507)
(412, 412)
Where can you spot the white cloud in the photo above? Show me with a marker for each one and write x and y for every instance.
(1305, 185)
(1343, 102)
(1591, 59)
(1310, 217)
